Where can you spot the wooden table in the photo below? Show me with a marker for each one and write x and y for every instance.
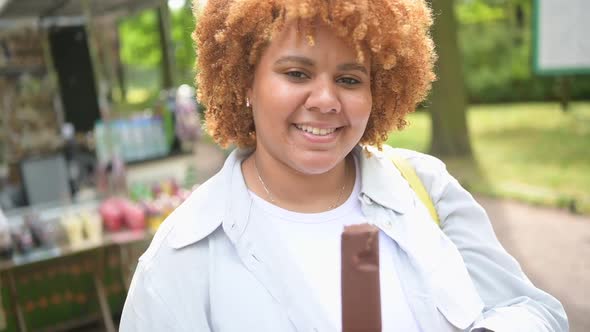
(124, 240)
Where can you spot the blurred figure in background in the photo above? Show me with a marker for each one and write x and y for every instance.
(188, 122)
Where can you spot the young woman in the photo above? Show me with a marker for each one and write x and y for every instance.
(309, 90)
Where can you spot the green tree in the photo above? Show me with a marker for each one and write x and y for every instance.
(140, 42)
(450, 135)
(166, 45)
(183, 24)
(141, 46)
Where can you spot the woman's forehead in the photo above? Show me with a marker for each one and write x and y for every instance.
(321, 37)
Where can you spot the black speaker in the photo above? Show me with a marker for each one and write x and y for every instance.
(71, 59)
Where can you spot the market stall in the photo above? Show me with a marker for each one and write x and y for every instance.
(75, 222)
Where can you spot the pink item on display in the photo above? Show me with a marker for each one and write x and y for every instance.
(111, 214)
(117, 212)
(134, 215)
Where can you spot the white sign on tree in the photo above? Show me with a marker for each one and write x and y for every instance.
(562, 37)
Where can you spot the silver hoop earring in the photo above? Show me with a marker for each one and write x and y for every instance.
(247, 102)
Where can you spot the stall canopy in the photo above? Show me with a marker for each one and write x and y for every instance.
(16, 10)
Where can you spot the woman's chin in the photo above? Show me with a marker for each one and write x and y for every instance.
(317, 165)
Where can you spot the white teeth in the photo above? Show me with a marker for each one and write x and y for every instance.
(316, 131)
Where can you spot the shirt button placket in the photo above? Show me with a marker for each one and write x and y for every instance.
(388, 224)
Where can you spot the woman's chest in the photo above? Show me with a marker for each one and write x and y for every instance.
(258, 285)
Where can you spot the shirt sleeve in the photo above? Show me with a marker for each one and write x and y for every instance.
(512, 302)
(144, 309)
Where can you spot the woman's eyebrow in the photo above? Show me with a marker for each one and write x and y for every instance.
(353, 66)
(296, 59)
(310, 63)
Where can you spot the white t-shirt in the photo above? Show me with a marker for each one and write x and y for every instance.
(312, 241)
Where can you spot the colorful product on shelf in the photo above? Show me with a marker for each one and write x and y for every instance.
(92, 226)
(134, 215)
(23, 239)
(73, 225)
(46, 233)
(133, 139)
(117, 212)
(155, 215)
(158, 200)
(6, 248)
(111, 214)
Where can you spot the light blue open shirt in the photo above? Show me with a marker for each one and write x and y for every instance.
(210, 267)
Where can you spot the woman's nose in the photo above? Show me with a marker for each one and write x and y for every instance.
(323, 97)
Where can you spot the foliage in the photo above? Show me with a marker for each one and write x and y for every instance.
(471, 12)
(141, 47)
(140, 42)
(183, 24)
(495, 38)
(496, 42)
(520, 152)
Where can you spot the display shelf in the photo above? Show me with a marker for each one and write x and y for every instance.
(40, 255)
(17, 71)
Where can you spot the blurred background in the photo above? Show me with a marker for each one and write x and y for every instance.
(100, 139)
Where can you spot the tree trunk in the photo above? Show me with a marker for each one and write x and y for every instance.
(450, 136)
(164, 28)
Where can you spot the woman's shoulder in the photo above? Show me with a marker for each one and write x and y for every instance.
(431, 171)
(191, 222)
(200, 214)
(423, 164)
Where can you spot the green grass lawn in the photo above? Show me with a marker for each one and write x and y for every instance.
(530, 152)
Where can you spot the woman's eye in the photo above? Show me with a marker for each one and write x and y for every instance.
(348, 81)
(296, 74)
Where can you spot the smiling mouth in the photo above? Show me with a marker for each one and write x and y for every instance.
(316, 131)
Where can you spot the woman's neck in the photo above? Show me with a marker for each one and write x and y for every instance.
(290, 189)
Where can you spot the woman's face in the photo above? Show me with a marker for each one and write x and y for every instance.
(310, 104)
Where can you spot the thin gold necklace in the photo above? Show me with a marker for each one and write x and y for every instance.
(272, 200)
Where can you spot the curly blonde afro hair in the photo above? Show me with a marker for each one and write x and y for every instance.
(232, 34)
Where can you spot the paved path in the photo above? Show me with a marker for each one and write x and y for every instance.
(552, 246)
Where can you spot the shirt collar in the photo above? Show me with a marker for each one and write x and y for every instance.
(224, 200)
(382, 182)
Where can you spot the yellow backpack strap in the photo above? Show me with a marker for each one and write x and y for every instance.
(416, 184)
